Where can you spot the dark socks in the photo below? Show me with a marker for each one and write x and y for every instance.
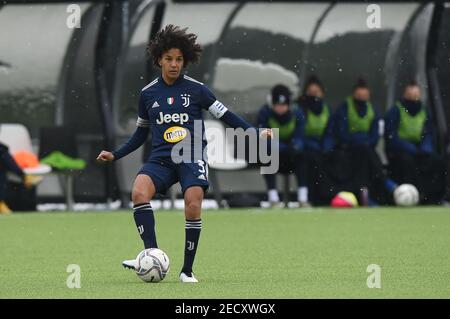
(145, 223)
(193, 228)
(270, 181)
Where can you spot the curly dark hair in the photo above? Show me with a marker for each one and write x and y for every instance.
(173, 37)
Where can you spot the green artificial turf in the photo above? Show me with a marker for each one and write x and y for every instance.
(315, 253)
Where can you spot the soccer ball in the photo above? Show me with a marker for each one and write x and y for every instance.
(152, 265)
(406, 195)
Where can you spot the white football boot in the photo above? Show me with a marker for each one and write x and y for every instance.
(130, 264)
(186, 278)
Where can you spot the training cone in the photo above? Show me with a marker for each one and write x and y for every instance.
(344, 199)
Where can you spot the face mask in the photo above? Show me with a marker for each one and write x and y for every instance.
(313, 103)
(360, 103)
(412, 106)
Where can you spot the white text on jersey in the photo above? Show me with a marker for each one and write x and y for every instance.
(176, 118)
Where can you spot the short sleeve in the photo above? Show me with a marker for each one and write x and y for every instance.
(143, 119)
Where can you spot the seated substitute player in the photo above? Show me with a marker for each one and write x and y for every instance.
(318, 139)
(356, 131)
(409, 146)
(168, 107)
(8, 164)
(277, 113)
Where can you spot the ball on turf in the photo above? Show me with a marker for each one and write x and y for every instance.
(406, 195)
(152, 265)
(344, 199)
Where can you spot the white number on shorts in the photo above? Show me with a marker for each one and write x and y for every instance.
(202, 166)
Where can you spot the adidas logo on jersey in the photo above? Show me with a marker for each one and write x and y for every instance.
(155, 105)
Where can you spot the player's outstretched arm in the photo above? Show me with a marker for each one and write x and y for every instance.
(236, 121)
(136, 140)
(221, 112)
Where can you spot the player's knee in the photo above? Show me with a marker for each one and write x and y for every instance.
(193, 207)
(139, 196)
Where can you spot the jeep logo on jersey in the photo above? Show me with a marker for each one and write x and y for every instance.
(170, 100)
(175, 134)
(175, 117)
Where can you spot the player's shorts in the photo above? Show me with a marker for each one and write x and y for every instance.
(164, 173)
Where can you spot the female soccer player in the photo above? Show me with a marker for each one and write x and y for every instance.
(169, 107)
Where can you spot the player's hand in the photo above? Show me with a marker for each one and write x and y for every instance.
(105, 156)
(266, 133)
